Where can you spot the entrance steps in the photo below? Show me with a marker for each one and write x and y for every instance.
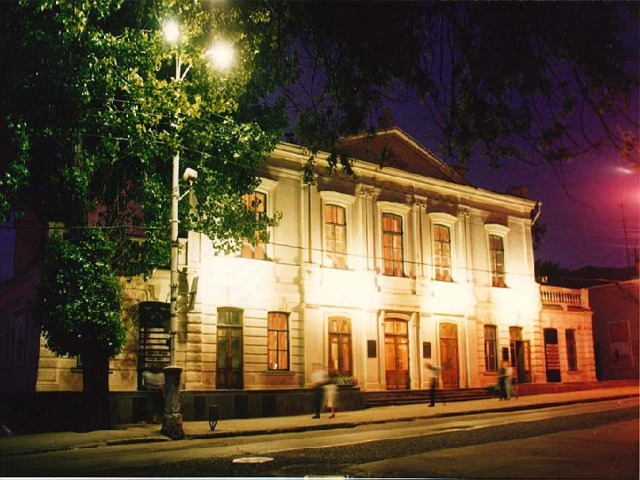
(404, 397)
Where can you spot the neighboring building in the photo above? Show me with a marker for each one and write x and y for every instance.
(616, 333)
(374, 275)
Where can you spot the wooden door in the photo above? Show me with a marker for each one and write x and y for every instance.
(396, 348)
(229, 350)
(449, 355)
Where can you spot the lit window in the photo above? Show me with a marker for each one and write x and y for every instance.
(278, 341)
(335, 229)
(256, 201)
(490, 349)
(392, 244)
(496, 249)
(572, 356)
(442, 252)
(340, 346)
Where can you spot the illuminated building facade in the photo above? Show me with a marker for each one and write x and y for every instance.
(374, 275)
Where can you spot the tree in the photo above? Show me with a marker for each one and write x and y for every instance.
(79, 310)
(93, 113)
(534, 81)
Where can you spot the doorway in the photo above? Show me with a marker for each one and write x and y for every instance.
(396, 353)
(449, 355)
(520, 355)
(229, 349)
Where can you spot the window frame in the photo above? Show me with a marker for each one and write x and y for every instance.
(278, 334)
(441, 273)
(335, 256)
(341, 338)
(248, 251)
(497, 279)
(491, 349)
(257, 251)
(449, 221)
(344, 201)
(496, 260)
(396, 245)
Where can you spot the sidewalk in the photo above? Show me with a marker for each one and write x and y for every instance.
(140, 433)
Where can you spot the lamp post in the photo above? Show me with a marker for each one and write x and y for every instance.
(221, 55)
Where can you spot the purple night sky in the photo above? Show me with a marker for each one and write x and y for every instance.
(582, 203)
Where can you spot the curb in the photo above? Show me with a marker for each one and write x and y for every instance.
(353, 424)
(153, 437)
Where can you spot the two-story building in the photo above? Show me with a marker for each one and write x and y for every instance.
(374, 275)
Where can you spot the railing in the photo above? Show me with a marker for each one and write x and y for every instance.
(565, 297)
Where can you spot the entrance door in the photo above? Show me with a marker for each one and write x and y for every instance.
(449, 355)
(396, 354)
(520, 360)
(229, 349)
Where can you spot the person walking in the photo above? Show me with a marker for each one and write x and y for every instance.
(504, 381)
(434, 374)
(330, 393)
(153, 382)
(319, 379)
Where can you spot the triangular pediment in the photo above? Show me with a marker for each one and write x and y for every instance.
(394, 148)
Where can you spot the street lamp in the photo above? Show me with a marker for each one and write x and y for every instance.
(221, 56)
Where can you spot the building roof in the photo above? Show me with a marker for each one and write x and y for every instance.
(393, 147)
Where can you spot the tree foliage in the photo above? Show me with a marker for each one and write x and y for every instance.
(80, 297)
(505, 80)
(95, 106)
(96, 115)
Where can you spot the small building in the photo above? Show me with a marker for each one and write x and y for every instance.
(616, 334)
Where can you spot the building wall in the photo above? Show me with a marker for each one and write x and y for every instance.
(615, 329)
(299, 279)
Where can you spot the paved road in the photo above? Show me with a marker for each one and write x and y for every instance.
(376, 449)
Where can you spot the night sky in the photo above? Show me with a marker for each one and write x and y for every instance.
(581, 201)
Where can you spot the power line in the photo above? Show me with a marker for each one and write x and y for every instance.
(378, 260)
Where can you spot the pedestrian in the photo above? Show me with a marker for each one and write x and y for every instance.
(330, 393)
(319, 379)
(502, 381)
(153, 382)
(514, 385)
(434, 374)
(508, 380)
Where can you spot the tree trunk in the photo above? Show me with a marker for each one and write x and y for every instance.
(95, 395)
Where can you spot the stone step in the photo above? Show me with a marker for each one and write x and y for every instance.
(405, 397)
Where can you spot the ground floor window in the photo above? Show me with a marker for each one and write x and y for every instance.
(340, 358)
(490, 349)
(278, 341)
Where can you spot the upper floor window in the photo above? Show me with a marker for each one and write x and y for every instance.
(496, 235)
(442, 252)
(496, 250)
(572, 355)
(255, 201)
(278, 341)
(392, 239)
(335, 233)
(490, 349)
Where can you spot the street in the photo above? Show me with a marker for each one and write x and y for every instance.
(588, 440)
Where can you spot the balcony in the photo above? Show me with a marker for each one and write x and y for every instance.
(561, 298)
